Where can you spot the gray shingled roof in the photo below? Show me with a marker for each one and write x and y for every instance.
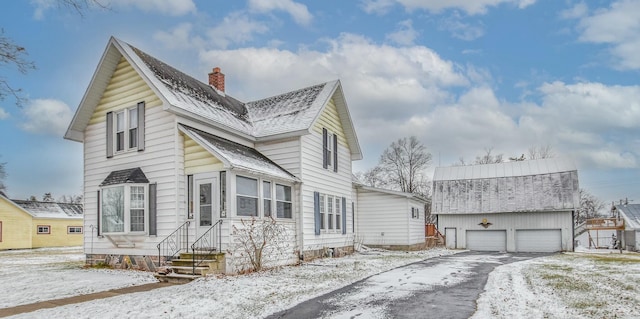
(50, 209)
(132, 175)
(288, 112)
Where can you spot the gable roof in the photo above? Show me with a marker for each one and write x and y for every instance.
(390, 192)
(266, 119)
(237, 156)
(631, 215)
(47, 209)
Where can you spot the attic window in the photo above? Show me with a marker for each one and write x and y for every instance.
(329, 150)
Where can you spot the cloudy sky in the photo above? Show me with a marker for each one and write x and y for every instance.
(463, 76)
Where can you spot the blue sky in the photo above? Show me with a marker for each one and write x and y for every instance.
(463, 76)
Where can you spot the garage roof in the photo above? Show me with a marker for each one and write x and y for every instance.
(519, 168)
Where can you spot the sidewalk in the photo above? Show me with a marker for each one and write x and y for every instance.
(5, 312)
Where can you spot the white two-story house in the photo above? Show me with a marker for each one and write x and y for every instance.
(167, 157)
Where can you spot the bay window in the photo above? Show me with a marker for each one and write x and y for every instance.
(123, 209)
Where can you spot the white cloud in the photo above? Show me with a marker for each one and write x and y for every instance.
(469, 7)
(377, 6)
(46, 116)
(406, 35)
(297, 11)
(41, 6)
(579, 10)
(168, 7)
(3, 114)
(179, 38)
(237, 27)
(617, 26)
(459, 29)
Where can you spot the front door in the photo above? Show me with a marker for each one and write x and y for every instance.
(205, 204)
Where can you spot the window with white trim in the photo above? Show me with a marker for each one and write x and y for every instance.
(123, 209)
(329, 150)
(0, 231)
(44, 229)
(338, 213)
(246, 196)
(74, 229)
(322, 212)
(284, 205)
(266, 194)
(415, 213)
(125, 130)
(329, 212)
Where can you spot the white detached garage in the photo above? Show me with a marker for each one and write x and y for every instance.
(524, 206)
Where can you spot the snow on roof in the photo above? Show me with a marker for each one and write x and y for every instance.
(391, 192)
(517, 168)
(237, 156)
(631, 215)
(292, 111)
(50, 209)
(288, 112)
(131, 175)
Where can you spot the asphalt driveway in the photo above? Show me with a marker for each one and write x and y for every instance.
(442, 287)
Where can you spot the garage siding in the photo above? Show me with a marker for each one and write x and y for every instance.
(510, 222)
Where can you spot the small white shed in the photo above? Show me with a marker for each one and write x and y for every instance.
(631, 215)
(390, 219)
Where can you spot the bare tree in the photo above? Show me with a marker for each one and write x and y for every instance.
(70, 199)
(374, 177)
(590, 207)
(404, 162)
(259, 241)
(488, 158)
(13, 54)
(539, 152)
(517, 159)
(47, 197)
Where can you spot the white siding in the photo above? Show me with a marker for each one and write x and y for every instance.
(383, 219)
(158, 161)
(315, 178)
(510, 222)
(285, 153)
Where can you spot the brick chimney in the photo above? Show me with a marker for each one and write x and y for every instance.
(216, 79)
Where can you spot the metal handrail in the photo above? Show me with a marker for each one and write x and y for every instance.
(206, 243)
(174, 243)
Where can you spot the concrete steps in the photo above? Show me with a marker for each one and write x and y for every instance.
(181, 269)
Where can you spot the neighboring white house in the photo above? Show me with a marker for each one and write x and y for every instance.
(389, 219)
(631, 215)
(522, 206)
(162, 149)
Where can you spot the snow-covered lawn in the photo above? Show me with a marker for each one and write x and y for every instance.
(29, 276)
(569, 285)
(248, 296)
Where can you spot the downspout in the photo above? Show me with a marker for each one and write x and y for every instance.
(300, 221)
(573, 230)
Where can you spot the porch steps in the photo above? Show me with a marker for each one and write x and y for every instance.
(181, 270)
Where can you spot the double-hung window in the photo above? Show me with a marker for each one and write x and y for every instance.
(283, 201)
(125, 130)
(322, 212)
(338, 212)
(329, 212)
(124, 209)
(266, 194)
(329, 150)
(247, 196)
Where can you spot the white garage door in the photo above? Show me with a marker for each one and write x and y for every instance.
(487, 240)
(538, 240)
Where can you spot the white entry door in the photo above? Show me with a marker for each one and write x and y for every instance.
(206, 204)
(450, 238)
